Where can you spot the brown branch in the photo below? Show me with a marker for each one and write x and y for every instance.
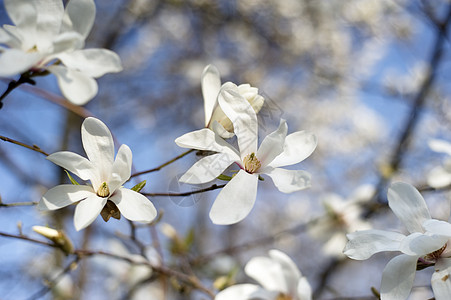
(39, 294)
(25, 238)
(81, 253)
(191, 280)
(418, 104)
(163, 165)
(18, 204)
(257, 242)
(34, 147)
(24, 78)
(58, 100)
(211, 188)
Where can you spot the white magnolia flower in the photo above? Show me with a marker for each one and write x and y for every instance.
(419, 249)
(106, 174)
(211, 85)
(237, 198)
(279, 277)
(342, 216)
(49, 37)
(440, 176)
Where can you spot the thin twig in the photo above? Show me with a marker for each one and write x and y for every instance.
(34, 147)
(418, 104)
(31, 203)
(257, 242)
(25, 238)
(191, 280)
(211, 188)
(24, 78)
(55, 281)
(163, 165)
(81, 253)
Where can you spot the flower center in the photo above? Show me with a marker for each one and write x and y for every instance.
(283, 296)
(251, 163)
(433, 256)
(430, 259)
(103, 190)
(34, 49)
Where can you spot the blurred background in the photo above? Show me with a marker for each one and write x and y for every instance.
(369, 77)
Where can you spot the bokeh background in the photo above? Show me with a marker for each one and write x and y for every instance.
(369, 77)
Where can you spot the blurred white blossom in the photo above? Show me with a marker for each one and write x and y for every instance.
(440, 176)
(342, 217)
(278, 276)
(49, 37)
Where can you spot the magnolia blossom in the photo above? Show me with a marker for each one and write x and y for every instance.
(419, 249)
(279, 277)
(440, 176)
(237, 198)
(49, 37)
(107, 175)
(120, 276)
(211, 85)
(342, 216)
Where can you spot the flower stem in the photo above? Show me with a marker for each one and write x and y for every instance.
(163, 165)
(24, 78)
(210, 188)
(34, 147)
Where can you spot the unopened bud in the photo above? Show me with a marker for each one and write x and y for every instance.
(58, 237)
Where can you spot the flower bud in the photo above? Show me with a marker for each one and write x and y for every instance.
(58, 237)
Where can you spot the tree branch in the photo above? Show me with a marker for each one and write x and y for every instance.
(163, 165)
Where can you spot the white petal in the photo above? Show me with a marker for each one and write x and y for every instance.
(441, 279)
(49, 18)
(420, 244)
(243, 117)
(5, 37)
(98, 145)
(21, 12)
(268, 273)
(20, 38)
(273, 144)
(211, 84)
(408, 205)
(438, 227)
(236, 199)
(14, 62)
(220, 130)
(66, 41)
(397, 277)
(77, 87)
(122, 167)
(134, 206)
(205, 139)
(439, 177)
(245, 292)
(92, 62)
(304, 290)
(363, 244)
(207, 168)
(77, 165)
(288, 181)
(79, 16)
(87, 211)
(64, 195)
(290, 271)
(298, 146)
(440, 146)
